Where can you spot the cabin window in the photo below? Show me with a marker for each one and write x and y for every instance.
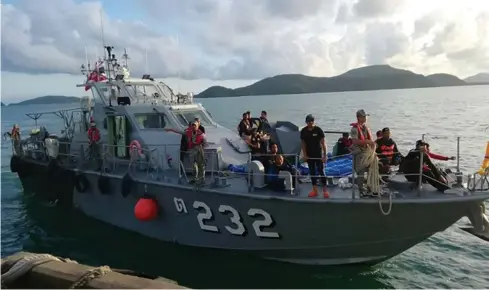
(185, 116)
(151, 120)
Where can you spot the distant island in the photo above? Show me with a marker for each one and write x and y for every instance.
(3, 105)
(478, 78)
(375, 77)
(48, 100)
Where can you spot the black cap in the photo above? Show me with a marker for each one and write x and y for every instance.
(386, 129)
(248, 112)
(309, 118)
(421, 143)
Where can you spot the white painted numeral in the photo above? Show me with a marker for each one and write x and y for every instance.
(203, 216)
(266, 222)
(235, 219)
(180, 205)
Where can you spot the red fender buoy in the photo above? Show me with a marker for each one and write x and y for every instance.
(146, 209)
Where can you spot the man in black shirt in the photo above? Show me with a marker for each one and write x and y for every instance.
(314, 150)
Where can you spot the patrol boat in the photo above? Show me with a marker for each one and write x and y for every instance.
(139, 169)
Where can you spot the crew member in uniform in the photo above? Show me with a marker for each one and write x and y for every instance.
(93, 142)
(314, 150)
(361, 138)
(196, 142)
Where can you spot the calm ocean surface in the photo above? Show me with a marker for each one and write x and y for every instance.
(452, 259)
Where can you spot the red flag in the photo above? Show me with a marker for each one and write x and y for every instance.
(95, 76)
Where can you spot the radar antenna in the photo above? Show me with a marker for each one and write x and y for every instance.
(125, 57)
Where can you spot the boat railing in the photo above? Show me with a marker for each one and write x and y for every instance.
(158, 159)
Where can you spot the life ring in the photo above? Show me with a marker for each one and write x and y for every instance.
(126, 185)
(81, 183)
(104, 184)
(135, 146)
(15, 164)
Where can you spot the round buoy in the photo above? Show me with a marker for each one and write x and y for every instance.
(146, 209)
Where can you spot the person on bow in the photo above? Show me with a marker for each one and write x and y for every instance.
(93, 141)
(314, 151)
(387, 151)
(263, 116)
(411, 164)
(244, 127)
(361, 138)
(196, 141)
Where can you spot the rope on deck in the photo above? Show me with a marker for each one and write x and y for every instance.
(15, 270)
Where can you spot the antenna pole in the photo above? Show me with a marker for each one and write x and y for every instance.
(179, 64)
(86, 58)
(146, 60)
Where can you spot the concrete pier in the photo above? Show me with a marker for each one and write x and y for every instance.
(43, 271)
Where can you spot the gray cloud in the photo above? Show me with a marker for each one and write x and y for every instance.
(228, 39)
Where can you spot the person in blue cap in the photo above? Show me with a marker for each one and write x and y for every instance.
(314, 151)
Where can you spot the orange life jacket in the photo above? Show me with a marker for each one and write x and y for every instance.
(93, 134)
(387, 151)
(199, 138)
(360, 132)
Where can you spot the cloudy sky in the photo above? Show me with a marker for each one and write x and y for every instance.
(236, 42)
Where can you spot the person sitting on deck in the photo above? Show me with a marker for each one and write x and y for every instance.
(272, 178)
(387, 151)
(410, 166)
(343, 145)
(254, 144)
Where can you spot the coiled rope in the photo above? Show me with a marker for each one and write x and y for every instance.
(371, 161)
(23, 265)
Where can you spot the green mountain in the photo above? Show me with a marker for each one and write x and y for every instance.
(446, 80)
(478, 78)
(376, 77)
(48, 100)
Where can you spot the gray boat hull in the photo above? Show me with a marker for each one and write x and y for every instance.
(304, 231)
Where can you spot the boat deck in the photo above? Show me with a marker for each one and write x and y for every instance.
(237, 183)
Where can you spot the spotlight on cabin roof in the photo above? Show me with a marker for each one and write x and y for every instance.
(146, 77)
(119, 77)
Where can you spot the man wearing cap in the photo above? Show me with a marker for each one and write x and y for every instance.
(387, 151)
(314, 151)
(361, 138)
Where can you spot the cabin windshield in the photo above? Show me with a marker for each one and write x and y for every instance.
(185, 116)
(143, 90)
(151, 120)
(167, 91)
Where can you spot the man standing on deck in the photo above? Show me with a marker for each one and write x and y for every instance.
(314, 150)
(196, 141)
(361, 138)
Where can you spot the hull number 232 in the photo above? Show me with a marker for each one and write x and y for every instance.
(236, 226)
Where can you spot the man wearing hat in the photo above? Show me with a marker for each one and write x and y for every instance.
(93, 141)
(361, 138)
(314, 151)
